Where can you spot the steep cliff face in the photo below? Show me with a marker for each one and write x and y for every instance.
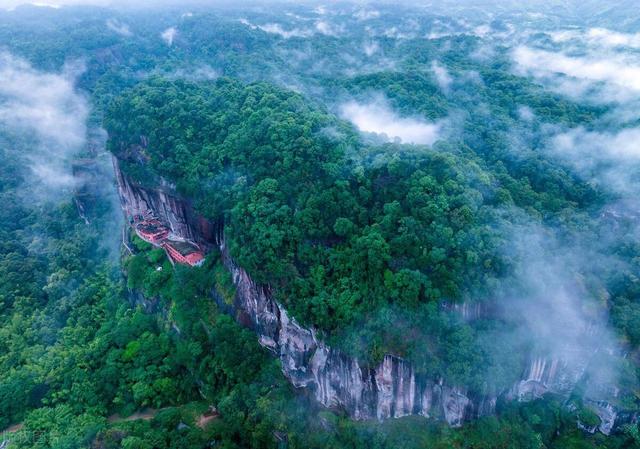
(390, 390)
(176, 212)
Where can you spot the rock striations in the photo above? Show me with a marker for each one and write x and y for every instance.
(390, 390)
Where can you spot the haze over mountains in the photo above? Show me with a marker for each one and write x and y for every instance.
(419, 223)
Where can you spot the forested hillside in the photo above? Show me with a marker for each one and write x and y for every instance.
(401, 181)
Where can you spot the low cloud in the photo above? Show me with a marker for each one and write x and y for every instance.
(442, 76)
(41, 102)
(623, 146)
(399, 33)
(600, 74)
(320, 26)
(46, 108)
(169, 35)
(555, 295)
(610, 38)
(276, 28)
(377, 117)
(612, 68)
(320, 10)
(610, 159)
(482, 30)
(371, 48)
(526, 114)
(600, 37)
(555, 311)
(198, 73)
(366, 14)
(57, 4)
(326, 28)
(440, 29)
(118, 27)
(297, 16)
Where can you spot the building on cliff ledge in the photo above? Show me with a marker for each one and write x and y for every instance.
(184, 252)
(153, 231)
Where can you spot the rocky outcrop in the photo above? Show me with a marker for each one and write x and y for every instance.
(173, 210)
(470, 311)
(390, 390)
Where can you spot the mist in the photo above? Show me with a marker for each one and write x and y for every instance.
(369, 67)
(600, 67)
(169, 35)
(377, 117)
(557, 309)
(557, 295)
(119, 28)
(64, 158)
(46, 108)
(442, 75)
(617, 69)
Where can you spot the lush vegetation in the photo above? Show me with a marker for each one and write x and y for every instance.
(364, 239)
(352, 236)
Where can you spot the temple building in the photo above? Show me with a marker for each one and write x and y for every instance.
(153, 231)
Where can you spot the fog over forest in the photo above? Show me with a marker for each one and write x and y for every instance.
(320, 224)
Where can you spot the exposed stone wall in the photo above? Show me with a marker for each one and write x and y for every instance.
(390, 390)
(174, 211)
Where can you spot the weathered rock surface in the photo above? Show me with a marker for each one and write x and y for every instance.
(390, 390)
(174, 211)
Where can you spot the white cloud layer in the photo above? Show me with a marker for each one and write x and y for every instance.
(326, 28)
(377, 117)
(46, 107)
(366, 14)
(623, 146)
(611, 159)
(595, 65)
(600, 37)
(40, 102)
(276, 28)
(119, 27)
(617, 69)
(169, 35)
(442, 76)
(370, 48)
(320, 26)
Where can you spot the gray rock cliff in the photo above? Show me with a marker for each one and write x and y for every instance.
(390, 390)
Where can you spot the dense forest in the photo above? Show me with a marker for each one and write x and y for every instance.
(372, 237)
